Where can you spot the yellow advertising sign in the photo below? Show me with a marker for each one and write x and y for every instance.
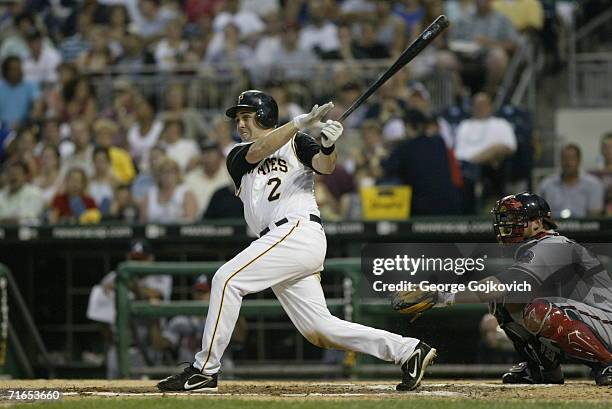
(386, 202)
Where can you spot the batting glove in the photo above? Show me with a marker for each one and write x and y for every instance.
(304, 121)
(332, 130)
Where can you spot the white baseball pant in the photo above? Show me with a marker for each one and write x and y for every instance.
(288, 259)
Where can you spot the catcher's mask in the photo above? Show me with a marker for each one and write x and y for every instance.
(264, 106)
(514, 212)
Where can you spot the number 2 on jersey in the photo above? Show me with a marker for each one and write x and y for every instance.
(273, 194)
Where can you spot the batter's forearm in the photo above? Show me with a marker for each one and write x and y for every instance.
(325, 164)
(271, 142)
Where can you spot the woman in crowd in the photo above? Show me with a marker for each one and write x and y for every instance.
(169, 201)
(144, 133)
(102, 182)
(73, 205)
(48, 179)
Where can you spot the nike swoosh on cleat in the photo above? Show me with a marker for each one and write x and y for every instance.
(189, 386)
(414, 371)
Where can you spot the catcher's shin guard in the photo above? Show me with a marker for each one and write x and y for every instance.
(542, 362)
(574, 337)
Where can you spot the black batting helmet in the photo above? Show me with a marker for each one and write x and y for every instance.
(266, 110)
(514, 212)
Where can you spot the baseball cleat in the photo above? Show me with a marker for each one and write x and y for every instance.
(190, 380)
(603, 376)
(522, 374)
(414, 367)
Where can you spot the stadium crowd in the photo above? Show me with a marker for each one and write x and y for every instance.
(69, 155)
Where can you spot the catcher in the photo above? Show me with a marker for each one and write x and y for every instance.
(572, 320)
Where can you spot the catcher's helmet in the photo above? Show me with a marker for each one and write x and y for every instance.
(266, 110)
(514, 212)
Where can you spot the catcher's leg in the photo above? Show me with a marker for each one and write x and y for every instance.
(581, 331)
(541, 362)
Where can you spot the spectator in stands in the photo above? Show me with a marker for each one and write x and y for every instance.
(484, 139)
(482, 143)
(185, 152)
(320, 34)
(422, 162)
(135, 55)
(287, 109)
(391, 30)
(369, 157)
(74, 204)
(145, 131)
(232, 50)
(196, 49)
(491, 39)
(121, 161)
(248, 22)
(153, 23)
(170, 50)
(525, 15)
(82, 157)
(19, 99)
(20, 201)
(204, 180)
(102, 183)
(367, 45)
(494, 346)
(42, 61)
(572, 192)
(23, 148)
(52, 136)
(79, 101)
(124, 207)
(170, 201)
(221, 133)
(49, 179)
(118, 22)
(77, 43)
(278, 55)
(604, 173)
(145, 180)
(224, 204)
(55, 93)
(176, 107)
(98, 56)
(412, 12)
(16, 44)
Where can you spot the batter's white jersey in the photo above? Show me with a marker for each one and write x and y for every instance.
(281, 185)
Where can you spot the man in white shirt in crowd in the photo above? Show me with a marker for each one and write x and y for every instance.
(484, 139)
(41, 63)
(20, 201)
(572, 192)
(321, 35)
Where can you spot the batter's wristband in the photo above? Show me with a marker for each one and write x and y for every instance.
(327, 151)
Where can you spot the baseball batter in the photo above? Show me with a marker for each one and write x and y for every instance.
(273, 170)
(570, 314)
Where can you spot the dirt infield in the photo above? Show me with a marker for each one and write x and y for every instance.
(482, 390)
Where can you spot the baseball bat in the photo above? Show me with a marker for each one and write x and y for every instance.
(409, 53)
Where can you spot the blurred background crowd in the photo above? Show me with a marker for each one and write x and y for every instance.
(112, 110)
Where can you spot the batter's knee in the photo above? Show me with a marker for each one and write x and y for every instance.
(318, 332)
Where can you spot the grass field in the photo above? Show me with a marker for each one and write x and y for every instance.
(432, 394)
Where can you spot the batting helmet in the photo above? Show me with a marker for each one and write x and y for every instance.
(514, 212)
(266, 110)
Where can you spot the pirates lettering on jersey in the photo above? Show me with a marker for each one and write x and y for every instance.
(272, 165)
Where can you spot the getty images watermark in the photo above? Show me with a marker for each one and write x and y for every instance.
(416, 267)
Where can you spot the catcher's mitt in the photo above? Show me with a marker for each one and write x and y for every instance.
(414, 303)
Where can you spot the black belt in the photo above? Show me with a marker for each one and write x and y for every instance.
(313, 218)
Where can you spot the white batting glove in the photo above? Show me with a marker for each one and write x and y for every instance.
(332, 130)
(313, 117)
